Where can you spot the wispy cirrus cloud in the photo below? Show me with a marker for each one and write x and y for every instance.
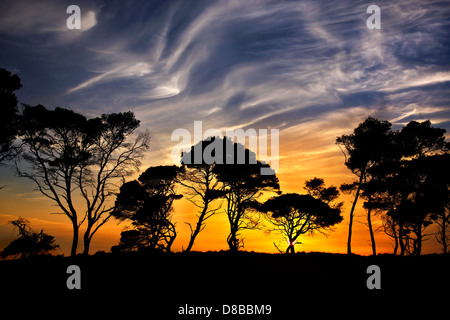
(253, 64)
(26, 18)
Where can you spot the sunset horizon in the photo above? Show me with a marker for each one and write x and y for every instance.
(213, 237)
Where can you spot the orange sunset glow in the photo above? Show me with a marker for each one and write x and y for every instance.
(297, 163)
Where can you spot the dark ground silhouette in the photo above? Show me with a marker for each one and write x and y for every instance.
(155, 286)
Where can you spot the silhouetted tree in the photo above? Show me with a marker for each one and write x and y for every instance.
(367, 191)
(65, 153)
(423, 200)
(410, 185)
(362, 149)
(390, 190)
(317, 189)
(202, 187)
(383, 188)
(369, 188)
(426, 145)
(8, 114)
(419, 139)
(443, 221)
(243, 184)
(112, 158)
(29, 242)
(439, 182)
(293, 215)
(147, 202)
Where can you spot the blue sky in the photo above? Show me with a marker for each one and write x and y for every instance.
(233, 63)
(311, 69)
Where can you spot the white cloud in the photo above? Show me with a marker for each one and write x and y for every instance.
(88, 21)
(24, 18)
(412, 78)
(235, 64)
(118, 70)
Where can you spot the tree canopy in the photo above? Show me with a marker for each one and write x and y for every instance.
(394, 170)
(295, 214)
(147, 203)
(29, 243)
(201, 186)
(9, 83)
(67, 155)
(243, 184)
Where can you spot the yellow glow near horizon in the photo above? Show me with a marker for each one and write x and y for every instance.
(305, 152)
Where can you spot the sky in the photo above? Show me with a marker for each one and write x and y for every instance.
(311, 69)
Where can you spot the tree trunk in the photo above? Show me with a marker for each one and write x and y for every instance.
(419, 241)
(73, 250)
(444, 235)
(197, 228)
(172, 236)
(290, 249)
(87, 239)
(394, 230)
(444, 245)
(232, 240)
(352, 211)
(401, 240)
(369, 221)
